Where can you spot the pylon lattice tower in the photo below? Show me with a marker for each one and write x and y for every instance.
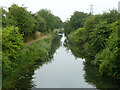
(91, 8)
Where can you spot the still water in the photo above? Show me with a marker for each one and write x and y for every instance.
(63, 70)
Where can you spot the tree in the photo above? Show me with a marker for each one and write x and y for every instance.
(58, 22)
(41, 23)
(21, 18)
(77, 19)
(68, 28)
(110, 16)
(3, 14)
(48, 16)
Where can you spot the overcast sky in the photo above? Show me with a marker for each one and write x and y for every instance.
(64, 8)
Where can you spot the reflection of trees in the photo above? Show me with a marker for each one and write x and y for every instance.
(77, 51)
(92, 76)
(54, 46)
(26, 80)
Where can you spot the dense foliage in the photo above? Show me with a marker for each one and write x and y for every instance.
(12, 43)
(20, 17)
(76, 21)
(18, 26)
(28, 23)
(26, 58)
(52, 21)
(98, 42)
(41, 24)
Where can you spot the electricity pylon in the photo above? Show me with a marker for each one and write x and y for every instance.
(91, 8)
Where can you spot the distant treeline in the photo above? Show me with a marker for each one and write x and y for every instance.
(96, 38)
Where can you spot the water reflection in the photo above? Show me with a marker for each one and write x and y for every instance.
(92, 75)
(64, 72)
(55, 44)
(26, 80)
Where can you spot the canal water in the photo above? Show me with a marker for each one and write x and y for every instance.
(64, 70)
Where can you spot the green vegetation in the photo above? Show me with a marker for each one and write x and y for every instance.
(20, 26)
(27, 57)
(76, 21)
(25, 81)
(41, 24)
(20, 17)
(51, 21)
(98, 42)
(93, 77)
(93, 37)
(29, 23)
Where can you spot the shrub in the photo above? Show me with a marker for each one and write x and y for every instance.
(12, 42)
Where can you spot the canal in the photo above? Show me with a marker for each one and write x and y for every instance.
(64, 70)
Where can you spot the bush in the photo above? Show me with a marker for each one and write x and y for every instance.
(76, 42)
(108, 59)
(12, 42)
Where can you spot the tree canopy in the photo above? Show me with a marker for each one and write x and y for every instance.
(52, 21)
(76, 21)
(21, 18)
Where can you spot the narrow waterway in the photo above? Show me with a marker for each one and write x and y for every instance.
(65, 71)
(62, 69)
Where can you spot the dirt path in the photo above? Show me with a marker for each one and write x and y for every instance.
(28, 43)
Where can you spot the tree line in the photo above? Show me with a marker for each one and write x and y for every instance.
(96, 38)
(27, 22)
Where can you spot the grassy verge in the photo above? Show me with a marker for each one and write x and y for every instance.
(28, 56)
